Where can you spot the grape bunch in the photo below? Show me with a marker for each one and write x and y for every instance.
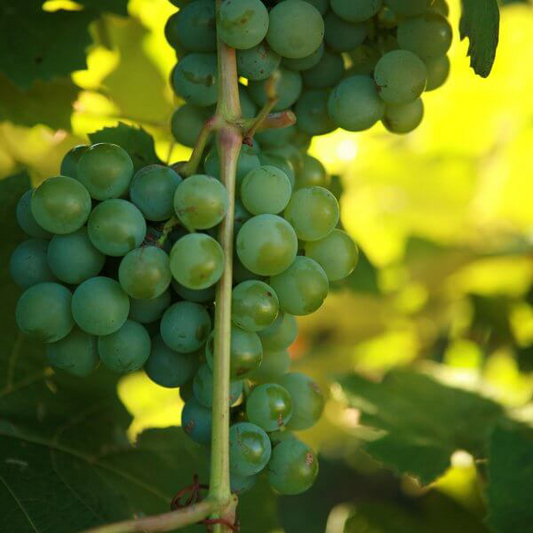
(120, 267)
(337, 63)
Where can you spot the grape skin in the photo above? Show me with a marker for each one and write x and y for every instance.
(195, 79)
(148, 311)
(404, 118)
(73, 258)
(196, 421)
(326, 73)
(26, 220)
(69, 164)
(355, 11)
(125, 350)
(28, 264)
(355, 105)
(195, 27)
(203, 387)
(76, 353)
(257, 63)
(100, 306)
(267, 245)
(167, 367)
(274, 365)
(341, 35)
(187, 123)
(305, 63)
(312, 113)
(408, 8)
(44, 312)
(266, 190)
(288, 89)
(438, 70)
(250, 449)
(242, 24)
(281, 334)
(60, 205)
(312, 174)
(269, 406)
(254, 305)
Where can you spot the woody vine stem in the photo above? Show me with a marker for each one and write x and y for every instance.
(231, 131)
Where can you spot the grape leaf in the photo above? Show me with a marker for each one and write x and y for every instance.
(35, 44)
(119, 7)
(48, 103)
(135, 141)
(480, 23)
(510, 472)
(423, 422)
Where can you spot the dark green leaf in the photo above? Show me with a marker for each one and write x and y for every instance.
(423, 421)
(510, 472)
(135, 141)
(48, 103)
(35, 44)
(120, 7)
(480, 23)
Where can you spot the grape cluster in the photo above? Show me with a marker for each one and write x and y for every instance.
(121, 267)
(338, 63)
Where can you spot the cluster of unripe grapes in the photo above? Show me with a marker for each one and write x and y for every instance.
(121, 267)
(338, 63)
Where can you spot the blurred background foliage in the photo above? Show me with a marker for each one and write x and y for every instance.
(444, 222)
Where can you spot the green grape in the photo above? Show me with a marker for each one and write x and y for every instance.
(26, 220)
(195, 26)
(257, 63)
(337, 254)
(100, 306)
(241, 215)
(408, 8)
(293, 467)
(387, 19)
(355, 11)
(197, 261)
(276, 137)
(269, 406)
(301, 140)
(69, 165)
(267, 245)
(76, 353)
(254, 305)
(281, 334)
(428, 35)
(125, 350)
(355, 104)
(106, 171)
(196, 421)
(187, 123)
(281, 435)
(202, 387)
(195, 79)
(302, 288)
(43, 312)
(312, 113)
(167, 367)
(296, 29)
(307, 62)
(400, 77)
(313, 212)
(403, 118)
(248, 108)
(249, 449)
(312, 174)
(144, 273)
(288, 88)
(326, 73)
(266, 190)
(28, 264)
(185, 391)
(273, 366)
(191, 295)
(171, 32)
(242, 24)
(307, 400)
(60, 205)
(201, 202)
(438, 70)
(364, 59)
(185, 327)
(320, 5)
(341, 35)
(116, 227)
(241, 273)
(152, 190)
(440, 6)
(148, 311)
(73, 258)
(241, 484)
(246, 163)
(246, 352)
(290, 153)
(280, 162)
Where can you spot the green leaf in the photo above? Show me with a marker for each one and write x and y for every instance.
(510, 473)
(48, 103)
(40, 45)
(135, 141)
(120, 7)
(480, 23)
(422, 422)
